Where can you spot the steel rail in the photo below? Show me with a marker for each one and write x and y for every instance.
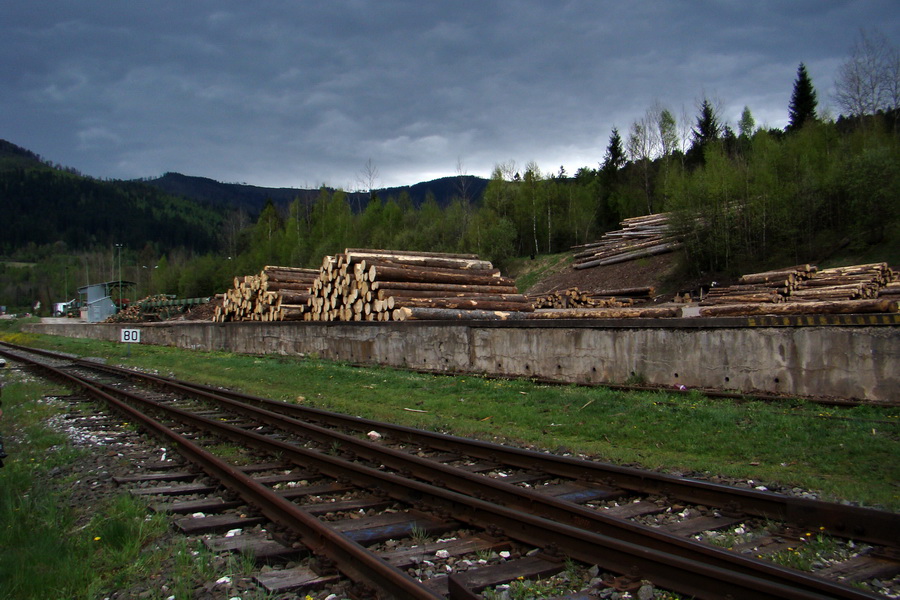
(618, 555)
(523, 499)
(862, 524)
(351, 558)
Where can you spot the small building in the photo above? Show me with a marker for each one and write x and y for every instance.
(101, 299)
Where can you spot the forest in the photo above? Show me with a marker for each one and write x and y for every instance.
(744, 198)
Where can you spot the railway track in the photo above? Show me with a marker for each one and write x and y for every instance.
(409, 483)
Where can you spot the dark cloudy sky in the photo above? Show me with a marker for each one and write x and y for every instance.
(301, 93)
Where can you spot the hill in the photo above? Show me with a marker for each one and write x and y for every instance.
(249, 198)
(14, 157)
(45, 204)
(252, 199)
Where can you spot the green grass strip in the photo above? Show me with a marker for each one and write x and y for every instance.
(52, 549)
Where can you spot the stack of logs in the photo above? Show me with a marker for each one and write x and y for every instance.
(386, 285)
(392, 285)
(854, 288)
(275, 294)
(805, 283)
(576, 298)
(639, 237)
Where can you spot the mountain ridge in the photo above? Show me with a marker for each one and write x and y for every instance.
(252, 198)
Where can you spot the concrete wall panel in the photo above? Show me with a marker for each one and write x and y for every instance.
(842, 361)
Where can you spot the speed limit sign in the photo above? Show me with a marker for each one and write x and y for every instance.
(130, 336)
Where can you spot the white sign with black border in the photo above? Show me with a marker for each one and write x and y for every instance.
(130, 336)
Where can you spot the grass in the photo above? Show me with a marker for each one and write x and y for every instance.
(845, 453)
(54, 548)
(527, 272)
(50, 549)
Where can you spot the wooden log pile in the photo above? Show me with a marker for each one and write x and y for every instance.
(858, 282)
(834, 307)
(768, 286)
(805, 283)
(275, 294)
(576, 298)
(133, 313)
(386, 285)
(639, 237)
(891, 290)
(391, 285)
(804, 290)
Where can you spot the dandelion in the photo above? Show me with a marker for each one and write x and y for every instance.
(97, 538)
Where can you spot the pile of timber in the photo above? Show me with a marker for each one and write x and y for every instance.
(804, 289)
(576, 298)
(639, 237)
(892, 289)
(393, 285)
(133, 313)
(806, 283)
(769, 286)
(857, 282)
(275, 294)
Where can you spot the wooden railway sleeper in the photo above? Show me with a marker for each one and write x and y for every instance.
(620, 556)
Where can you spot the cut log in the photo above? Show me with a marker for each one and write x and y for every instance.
(461, 303)
(803, 308)
(414, 274)
(287, 297)
(605, 313)
(625, 248)
(449, 314)
(467, 264)
(449, 287)
(629, 292)
(652, 251)
(384, 294)
(741, 298)
(411, 253)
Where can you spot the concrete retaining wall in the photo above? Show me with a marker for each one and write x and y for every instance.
(857, 361)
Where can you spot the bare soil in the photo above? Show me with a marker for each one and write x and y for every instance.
(655, 271)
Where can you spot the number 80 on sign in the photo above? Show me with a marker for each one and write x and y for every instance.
(130, 336)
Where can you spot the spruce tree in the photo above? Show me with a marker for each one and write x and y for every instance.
(615, 153)
(708, 128)
(707, 131)
(802, 108)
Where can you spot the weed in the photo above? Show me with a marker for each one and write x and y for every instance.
(418, 535)
(242, 564)
(231, 453)
(636, 379)
(483, 554)
(811, 552)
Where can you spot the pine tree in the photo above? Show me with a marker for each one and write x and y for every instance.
(615, 153)
(707, 131)
(802, 108)
(708, 128)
